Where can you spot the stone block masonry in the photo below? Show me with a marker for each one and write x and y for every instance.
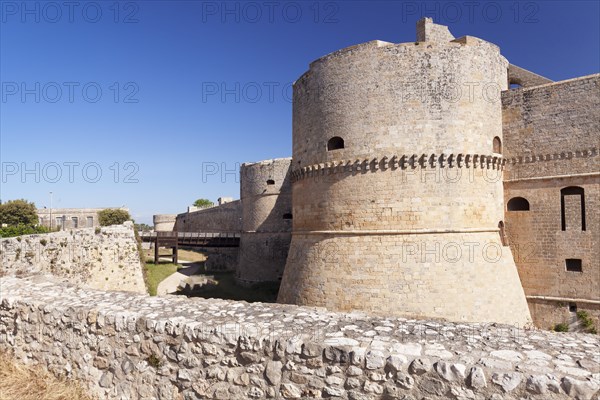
(551, 148)
(100, 258)
(224, 218)
(372, 128)
(129, 346)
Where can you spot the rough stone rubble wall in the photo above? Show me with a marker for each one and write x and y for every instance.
(101, 258)
(129, 346)
(551, 142)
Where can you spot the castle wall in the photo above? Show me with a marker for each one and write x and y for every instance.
(100, 258)
(417, 169)
(267, 220)
(551, 143)
(138, 347)
(224, 218)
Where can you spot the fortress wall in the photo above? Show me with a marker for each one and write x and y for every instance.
(418, 166)
(551, 142)
(224, 218)
(138, 347)
(552, 129)
(267, 220)
(100, 258)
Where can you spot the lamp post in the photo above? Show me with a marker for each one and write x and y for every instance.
(50, 210)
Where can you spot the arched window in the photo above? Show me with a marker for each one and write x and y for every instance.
(270, 182)
(518, 204)
(335, 143)
(287, 216)
(572, 208)
(497, 145)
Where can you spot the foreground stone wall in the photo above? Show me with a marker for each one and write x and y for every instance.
(100, 258)
(127, 346)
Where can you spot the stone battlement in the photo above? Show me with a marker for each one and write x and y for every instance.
(402, 162)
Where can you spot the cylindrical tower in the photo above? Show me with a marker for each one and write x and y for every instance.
(266, 221)
(164, 222)
(397, 189)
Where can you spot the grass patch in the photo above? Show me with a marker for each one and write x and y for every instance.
(156, 273)
(586, 321)
(22, 382)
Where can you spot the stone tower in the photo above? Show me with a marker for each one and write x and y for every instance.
(266, 220)
(397, 182)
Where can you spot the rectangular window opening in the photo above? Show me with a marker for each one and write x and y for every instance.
(573, 265)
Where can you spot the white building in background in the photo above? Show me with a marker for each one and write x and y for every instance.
(71, 218)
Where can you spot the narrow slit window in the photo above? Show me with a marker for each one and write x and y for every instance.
(572, 208)
(497, 145)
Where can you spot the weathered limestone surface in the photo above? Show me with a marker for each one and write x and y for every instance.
(551, 143)
(417, 181)
(266, 196)
(226, 217)
(128, 346)
(164, 222)
(100, 258)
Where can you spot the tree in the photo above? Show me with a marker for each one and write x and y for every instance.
(203, 203)
(18, 212)
(142, 227)
(113, 216)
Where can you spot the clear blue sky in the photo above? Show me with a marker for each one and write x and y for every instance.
(162, 117)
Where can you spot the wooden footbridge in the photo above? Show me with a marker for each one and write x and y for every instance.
(189, 239)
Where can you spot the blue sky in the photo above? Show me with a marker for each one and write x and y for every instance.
(153, 104)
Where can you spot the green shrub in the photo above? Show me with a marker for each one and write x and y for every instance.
(19, 230)
(561, 327)
(153, 361)
(113, 216)
(586, 321)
